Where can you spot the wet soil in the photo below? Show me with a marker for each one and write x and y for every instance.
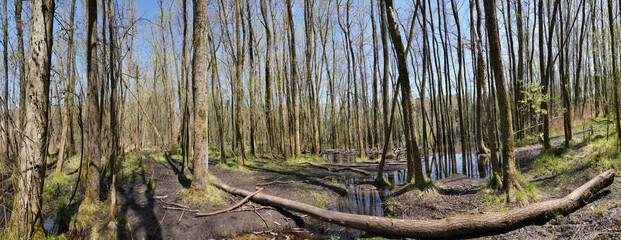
(324, 185)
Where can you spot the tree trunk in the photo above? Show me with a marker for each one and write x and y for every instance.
(26, 218)
(239, 91)
(614, 70)
(93, 112)
(7, 138)
(200, 83)
(251, 84)
(309, 30)
(22, 63)
(481, 82)
(294, 84)
(69, 93)
(510, 180)
(447, 227)
(414, 158)
(268, 77)
(385, 70)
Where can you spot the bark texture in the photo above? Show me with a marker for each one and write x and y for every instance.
(26, 218)
(199, 73)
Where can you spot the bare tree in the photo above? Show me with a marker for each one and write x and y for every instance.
(26, 218)
(509, 180)
(93, 110)
(200, 83)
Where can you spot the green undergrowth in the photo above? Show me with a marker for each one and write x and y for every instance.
(158, 157)
(495, 198)
(131, 163)
(231, 165)
(306, 158)
(210, 196)
(597, 154)
(320, 199)
(93, 220)
(57, 189)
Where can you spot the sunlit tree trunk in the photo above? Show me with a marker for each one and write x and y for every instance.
(26, 218)
(415, 171)
(93, 112)
(510, 180)
(200, 84)
(614, 70)
(293, 82)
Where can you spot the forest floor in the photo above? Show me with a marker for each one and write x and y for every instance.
(155, 200)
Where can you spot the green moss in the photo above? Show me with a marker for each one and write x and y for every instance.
(158, 157)
(88, 215)
(210, 196)
(320, 200)
(312, 158)
(173, 149)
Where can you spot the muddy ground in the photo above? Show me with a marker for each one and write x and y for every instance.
(155, 213)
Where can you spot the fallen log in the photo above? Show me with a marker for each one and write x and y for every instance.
(447, 227)
(338, 169)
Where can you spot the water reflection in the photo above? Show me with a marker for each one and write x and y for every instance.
(365, 199)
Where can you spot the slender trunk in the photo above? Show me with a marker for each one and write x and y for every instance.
(251, 84)
(294, 82)
(93, 112)
(510, 180)
(386, 60)
(268, 77)
(200, 83)
(414, 159)
(239, 91)
(614, 70)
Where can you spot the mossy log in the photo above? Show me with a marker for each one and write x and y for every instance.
(447, 227)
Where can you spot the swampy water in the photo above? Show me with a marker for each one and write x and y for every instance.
(364, 198)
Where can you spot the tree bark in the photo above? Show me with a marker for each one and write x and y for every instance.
(447, 227)
(481, 82)
(93, 112)
(268, 76)
(239, 91)
(26, 218)
(385, 70)
(614, 70)
(69, 93)
(294, 82)
(414, 159)
(200, 83)
(502, 97)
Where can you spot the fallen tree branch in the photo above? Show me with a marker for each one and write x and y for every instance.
(340, 169)
(447, 227)
(230, 208)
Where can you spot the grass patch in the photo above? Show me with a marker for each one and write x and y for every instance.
(210, 196)
(131, 163)
(87, 217)
(320, 199)
(549, 162)
(311, 158)
(158, 157)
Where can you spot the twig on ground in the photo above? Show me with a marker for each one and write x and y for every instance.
(268, 183)
(180, 209)
(160, 224)
(255, 211)
(229, 208)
